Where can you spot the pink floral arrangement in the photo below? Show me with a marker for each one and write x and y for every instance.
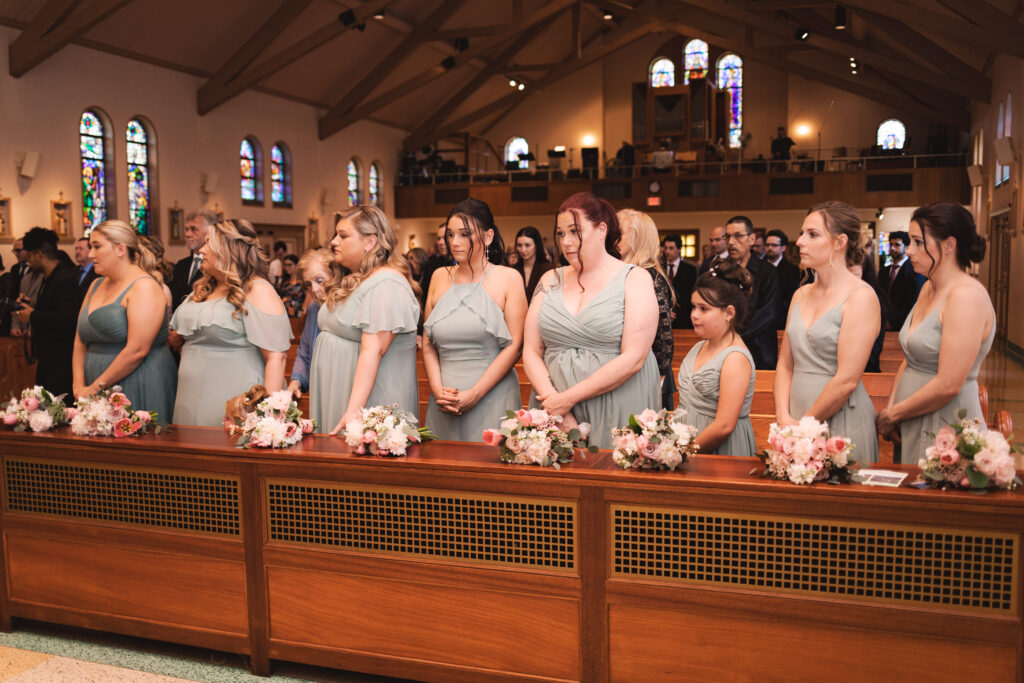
(384, 430)
(276, 422)
(805, 453)
(37, 410)
(969, 455)
(533, 437)
(657, 440)
(109, 412)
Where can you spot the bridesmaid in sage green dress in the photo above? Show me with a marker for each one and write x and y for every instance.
(832, 326)
(235, 333)
(365, 354)
(474, 330)
(590, 326)
(938, 377)
(122, 326)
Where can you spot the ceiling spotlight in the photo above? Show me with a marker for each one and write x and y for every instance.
(802, 33)
(512, 82)
(607, 15)
(521, 86)
(379, 16)
(853, 71)
(853, 60)
(840, 18)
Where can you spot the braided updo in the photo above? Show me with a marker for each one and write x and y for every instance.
(727, 284)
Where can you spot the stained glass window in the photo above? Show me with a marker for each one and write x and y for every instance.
(251, 184)
(374, 184)
(891, 134)
(280, 176)
(695, 60)
(94, 181)
(663, 73)
(730, 79)
(353, 183)
(513, 148)
(138, 177)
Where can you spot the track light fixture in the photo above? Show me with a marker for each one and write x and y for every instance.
(840, 18)
(802, 34)
(880, 214)
(512, 82)
(607, 15)
(521, 86)
(379, 16)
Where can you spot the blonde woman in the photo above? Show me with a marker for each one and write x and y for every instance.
(122, 326)
(317, 267)
(365, 354)
(235, 329)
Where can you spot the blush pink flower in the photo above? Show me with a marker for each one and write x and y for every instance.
(789, 445)
(306, 426)
(525, 417)
(10, 419)
(123, 427)
(647, 417)
(119, 400)
(835, 445)
(945, 440)
(491, 437)
(290, 430)
(72, 413)
(30, 403)
(369, 436)
(949, 457)
(143, 416)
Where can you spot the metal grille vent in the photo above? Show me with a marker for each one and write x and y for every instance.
(478, 528)
(882, 563)
(150, 498)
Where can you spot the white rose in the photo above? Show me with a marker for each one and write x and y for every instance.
(280, 400)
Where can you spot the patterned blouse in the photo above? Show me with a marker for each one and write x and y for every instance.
(663, 346)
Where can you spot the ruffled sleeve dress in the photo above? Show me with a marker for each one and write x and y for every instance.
(698, 396)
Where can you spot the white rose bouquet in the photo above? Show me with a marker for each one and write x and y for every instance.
(109, 412)
(384, 430)
(654, 440)
(533, 437)
(276, 422)
(805, 453)
(37, 410)
(969, 455)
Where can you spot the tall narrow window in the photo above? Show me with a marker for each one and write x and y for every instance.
(250, 163)
(695, 60)
(513, 148)
(280, 176)
(373, 183)
(139, 211)
(353, 183)
(95, 154)
(1008, 130)
(663, 73)
(892, 134)
(730, 79)
(1000, 123)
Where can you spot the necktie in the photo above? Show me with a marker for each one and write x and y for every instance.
(193, 274)
(893, 272)
(81, 274)
(672, 271)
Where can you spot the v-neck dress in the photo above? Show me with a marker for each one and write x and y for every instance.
(921, 347)
(815, 362)
(576, 346)
(104, 331)
(698, 396)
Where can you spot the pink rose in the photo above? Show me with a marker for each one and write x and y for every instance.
(945, 440)
(10, 419)
(525, 417)
(647, 417)
(72, 413)
(540, 417)
(30, 403)
(835, 445)
(965, 483)
(369, 436)
(775, 442)
(949, 457)
(306, 426)
(143, 416)
(492, 437)
(290, 430)
(642, 442)
(818, 444)
(360, 450)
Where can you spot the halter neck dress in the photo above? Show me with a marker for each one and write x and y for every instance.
(698, 396)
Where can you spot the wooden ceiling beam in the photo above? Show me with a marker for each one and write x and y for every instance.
(980, 12)
(471, 32)
(53, 27)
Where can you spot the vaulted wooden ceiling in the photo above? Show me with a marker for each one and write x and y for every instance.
(439, 67)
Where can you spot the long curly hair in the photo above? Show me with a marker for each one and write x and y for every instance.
(119, 232)
(235, 247)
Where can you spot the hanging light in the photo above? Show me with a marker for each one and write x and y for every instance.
(802, 34)
(840, 18)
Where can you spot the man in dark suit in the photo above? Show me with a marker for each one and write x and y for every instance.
(683, 276)
(758, 333)
(54, 316)
(775, 243)
(86, 272)
(186, 271)
(718, 248)
(899, 281)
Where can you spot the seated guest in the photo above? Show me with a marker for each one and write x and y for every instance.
(473, 331)
(86, 272)
(234, 327)
(122, 327)
(832, 324)
(187, 270)
(938, 378)
(533, 259)
(682, 275)
(639, 246)
(759, 333)
(317, 268)
(590, 327)
(899, 280)
(290, 287)
(716, 379)
(789, 275)
(365, 354)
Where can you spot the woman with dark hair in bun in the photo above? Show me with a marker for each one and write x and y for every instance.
(716, 379)
(533, 259)
(831, 328)
(938, 377)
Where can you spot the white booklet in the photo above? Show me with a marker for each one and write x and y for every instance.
(880, 477)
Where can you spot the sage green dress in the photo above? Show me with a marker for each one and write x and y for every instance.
(468, 330)
(575, 346)
(382, 302)
(104, 331)
(815, 362)
(698, 396)
(921, 348)
(221, 357)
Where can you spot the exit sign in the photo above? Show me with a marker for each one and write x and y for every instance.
(654, 201)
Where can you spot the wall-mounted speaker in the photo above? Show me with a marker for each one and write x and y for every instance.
(974, 174)
(1004, 151)
(328, 195)
(209, 182)
(30, 164)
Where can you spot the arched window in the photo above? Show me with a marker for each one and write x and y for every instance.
(695, 60)
(663, 73)
(140, 174)
(96, 161)
(373, 183)
(280, 176)
(1000, 122)
(1008, 130)
(730, 79)
(513, 148)
(892, 134)
(251, 164)
(353, 183)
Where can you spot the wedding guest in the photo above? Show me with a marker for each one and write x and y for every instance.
(832, 325)
(719, 248)
(759, 333)
(163, 270)
(639, 246)
(473, 331)
(533, 259)
(290, 286)
(187, 270)
(682, 276)
(317, 268)
(25, 282)
(234, 327)
(717, 376)
(417, 258)
(591, 324)
(86, 272)
(122, 326)
(899, 280)
(275, 271)
(365, 354)
(947, 334)
(875, 359)
(775, 243)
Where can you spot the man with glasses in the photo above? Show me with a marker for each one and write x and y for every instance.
(759, 333)
(789, 275)
(23, 283)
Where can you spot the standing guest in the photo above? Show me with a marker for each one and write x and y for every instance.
(682, 275)
(758, 248)
(290, 287)
(590, 326)
(234, 326)
(899, 280)
(24, 284)
(938, 378)
(365, 354)
(83, 259)
(533, 259)
(275, 271)
(875, 359)
(717, 377)
(52, 314)
(417, 258)
(639, 247)
(122, 326)
(775, 243)
(759, 333)
(438, 259)
(512, 257)
(719, 248)
(781, 146)
(188, 270)
(832, 324)
(317, 267)
(474, 331)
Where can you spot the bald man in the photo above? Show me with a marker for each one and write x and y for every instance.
(718, 247)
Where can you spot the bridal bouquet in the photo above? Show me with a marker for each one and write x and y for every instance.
(533, 437)
(384, 430)
(657, 440)
(970, 455)
(107, 412)
(275, 422)
(805, 453)
(37, 409)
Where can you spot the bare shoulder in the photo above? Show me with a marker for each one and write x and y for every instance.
(263, 296)
(968, 294)
(639, 277)
(551, 277)
(505, 274)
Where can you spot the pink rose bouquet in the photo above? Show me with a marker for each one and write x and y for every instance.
(37, 410)
(970, 455)
(384, 430)
(533, 437)
(109, 412)
(658, 440)
(276, 422)
(805, 453)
